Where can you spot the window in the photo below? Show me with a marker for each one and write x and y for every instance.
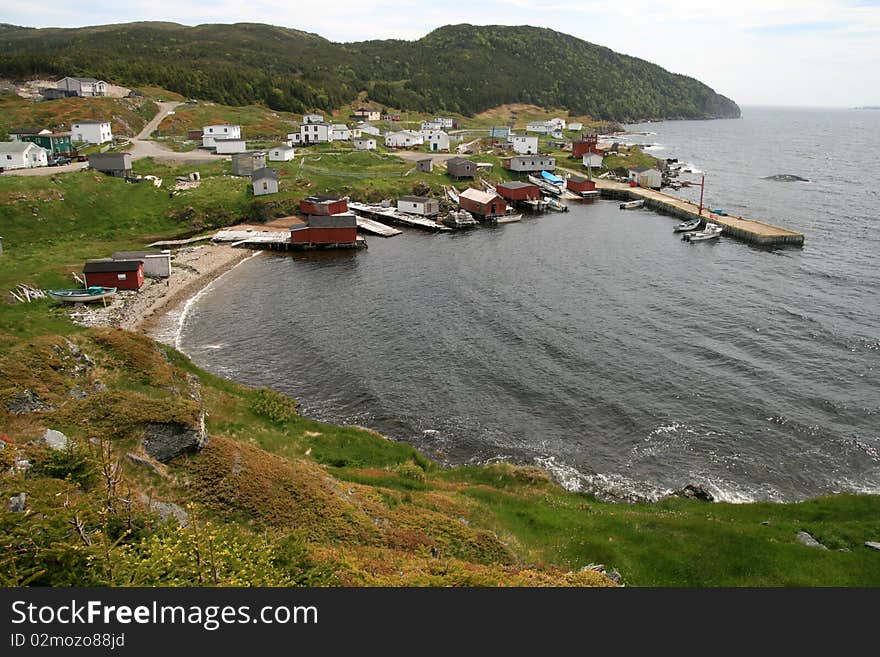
(121, 277)
(265, 186)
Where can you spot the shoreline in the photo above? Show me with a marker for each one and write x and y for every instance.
(192, 270)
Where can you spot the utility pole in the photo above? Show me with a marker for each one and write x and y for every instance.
(702, 188)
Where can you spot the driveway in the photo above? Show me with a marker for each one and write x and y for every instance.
(144, 146)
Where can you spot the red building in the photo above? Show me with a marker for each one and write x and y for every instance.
(578, 184)
(323, 205)
(121, 274)
(338, 230)
(586, 144)
(518, 191)
(482, 204)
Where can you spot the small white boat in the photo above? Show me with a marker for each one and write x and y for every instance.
(83, 294)
(629, 205)
(460, 219)
(507, 218)
(555, 204)
(687, 226)
(710, 232)
(452, 194)
(548, 187)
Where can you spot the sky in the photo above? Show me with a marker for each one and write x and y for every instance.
(822, 53)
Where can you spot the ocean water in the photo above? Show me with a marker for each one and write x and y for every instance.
(596, 343)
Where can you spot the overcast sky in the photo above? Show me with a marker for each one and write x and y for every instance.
(768, 52)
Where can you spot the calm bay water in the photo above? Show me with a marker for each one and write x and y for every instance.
(596, 343)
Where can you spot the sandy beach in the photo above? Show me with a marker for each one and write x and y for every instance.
(192, 268)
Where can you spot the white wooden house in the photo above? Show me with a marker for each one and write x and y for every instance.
(421, 205)
(340, 132)
(404, 139)
(229, 145)
(557, 123)
(22, 155)
(313, 118)
(431, 124)
(541, 127)
(575, 126)
(591, 159)
(365, 144)
(437, 140)
(281, 153)
(264, 181)
(315, 133)
(645, 177)
(82, 86)
(93, 132)
(445, 122)
(223, 131)
(524, 144)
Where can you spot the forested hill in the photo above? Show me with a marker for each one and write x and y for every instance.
(457, 68)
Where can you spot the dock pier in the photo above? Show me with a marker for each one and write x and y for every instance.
(748, 230)
(393, 216)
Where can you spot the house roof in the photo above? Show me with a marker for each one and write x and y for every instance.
(339, 126)
(24, 131)
(282, 147)
(102, 266)
(415, 199)
(89, 122)
(91, 80)
(458, 160)
(265, 172)
(577, 179)
(322, 198)
(17, 146)
(515, 184)
(406, 132)
(640, 169)
(478, 196)
(221, 125)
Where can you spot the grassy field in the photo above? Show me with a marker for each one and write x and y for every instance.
(127, 116)
(291, 500)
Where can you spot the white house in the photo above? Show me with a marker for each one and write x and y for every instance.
(591, 159)
(22, 155)
(340, 132)
(313, 118)
(437, 140)
(222, 131)
(445, 122)
(281, 153)
(264, 181)
(645, 177)
(426, 207)
(542, 127)
(404, 139)
(93, 132)
(18, 134)
(294, 138)
(368, 129)
(315, 133)
(557, 123)
(524, 144)
(365, 144)
(432, 124)
(229, 145)
(83, 86)
(575, 126)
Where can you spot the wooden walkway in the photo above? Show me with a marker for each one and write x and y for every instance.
(374, 227)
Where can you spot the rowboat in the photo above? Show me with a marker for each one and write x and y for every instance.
(82, 294)
(687, 226)
(507, 218)
(629, 205)
(710, 232)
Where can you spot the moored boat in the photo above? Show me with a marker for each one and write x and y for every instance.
(629, 205)
(83, 294)
(710, 232)
(506, 218)
(687, 226)
(555, 204)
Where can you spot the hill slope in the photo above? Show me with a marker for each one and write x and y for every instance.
(458, 68)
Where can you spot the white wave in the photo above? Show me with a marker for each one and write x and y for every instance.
(192, 300)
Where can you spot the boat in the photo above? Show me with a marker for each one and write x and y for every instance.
(506, 218)
(548, 187)
(82, 294)
(460, 219)
(711, 231)
(555, 204)
(687, 226)
(629, 205)
(452, 194)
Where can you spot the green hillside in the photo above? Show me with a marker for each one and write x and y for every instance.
(457, 68)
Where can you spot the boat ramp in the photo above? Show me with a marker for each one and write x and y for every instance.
(375, 228)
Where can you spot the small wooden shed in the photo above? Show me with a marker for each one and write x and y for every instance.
(121, 274)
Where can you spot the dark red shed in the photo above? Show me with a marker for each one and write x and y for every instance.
(518, 191)
(121, 274)
(483, 204)
(578, 184)
(335, 230)
(586, 144)
(323, 205)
